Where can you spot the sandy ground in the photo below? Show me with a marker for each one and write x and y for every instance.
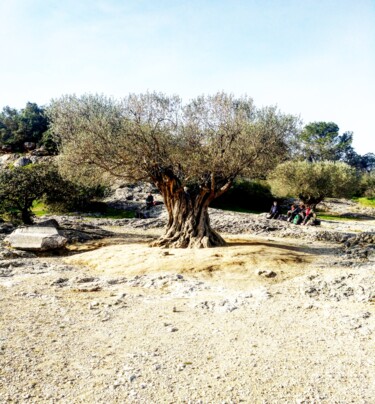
(263, 320)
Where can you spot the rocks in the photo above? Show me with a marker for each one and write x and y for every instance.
(76, 230)
(28, 146)
(244, 344)
(360, 247)
(266, 273)
(6, 228)
(351, 286)
(346, 208)
(48, 223)
(6, 253)
(132, 197)
(41, 151)
(7, 159)
(36, 238)
(22, 162)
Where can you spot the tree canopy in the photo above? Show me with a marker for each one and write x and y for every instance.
(321, 141)
(203, 145)
(30, 124)
(312, 182)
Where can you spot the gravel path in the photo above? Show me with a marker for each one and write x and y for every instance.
(299, 331)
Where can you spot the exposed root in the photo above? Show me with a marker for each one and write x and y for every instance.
(182, 240)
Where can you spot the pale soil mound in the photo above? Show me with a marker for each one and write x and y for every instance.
(263, 320)
(237, 265)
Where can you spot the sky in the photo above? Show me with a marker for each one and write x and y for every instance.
(311, 58)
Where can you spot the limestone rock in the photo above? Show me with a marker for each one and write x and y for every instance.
(22, 162)
(266, 273)
(36, 238)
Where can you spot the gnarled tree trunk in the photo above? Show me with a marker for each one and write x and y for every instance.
(311, 200)
(189, 223)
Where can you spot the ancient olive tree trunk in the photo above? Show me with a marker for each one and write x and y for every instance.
(189, 223)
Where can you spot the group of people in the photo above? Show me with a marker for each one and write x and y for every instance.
(297, 214)
(301, 214)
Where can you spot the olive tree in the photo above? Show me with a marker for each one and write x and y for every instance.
(192, 152)
(312, 182)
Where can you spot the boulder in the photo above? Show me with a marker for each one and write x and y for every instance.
(36, 238)
(22, 162)
(41, 151)
(6, 228)
(6, 159)
(48, 223)
(29, 146)
(6, 149)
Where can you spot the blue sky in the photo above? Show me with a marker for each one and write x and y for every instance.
(313, 58)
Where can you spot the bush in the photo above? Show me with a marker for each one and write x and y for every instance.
(246, 195)
(22, 186)
(367, 185)
(312, 182)
(65, 196)
(19, 188)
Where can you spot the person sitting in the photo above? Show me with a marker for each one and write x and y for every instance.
(274, 211)
(294, 211)
(149, 201)
(291, 212)
(299, 215)
(310, 216)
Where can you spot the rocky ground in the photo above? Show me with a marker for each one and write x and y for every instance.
(284, 314)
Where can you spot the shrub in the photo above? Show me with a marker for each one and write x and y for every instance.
(367, 186)
(19, 188)
(312, 182)
(22, 186)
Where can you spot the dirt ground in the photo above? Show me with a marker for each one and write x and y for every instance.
(263, 320)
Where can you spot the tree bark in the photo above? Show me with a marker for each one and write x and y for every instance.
(189, 222)
(311, 200)
(26, 216)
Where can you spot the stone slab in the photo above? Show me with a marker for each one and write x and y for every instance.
(36, 238)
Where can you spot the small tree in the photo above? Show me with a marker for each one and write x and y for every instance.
(312, 182)
(19, 188)
(192, 152)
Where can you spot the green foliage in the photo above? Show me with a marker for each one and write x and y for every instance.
(320, 141)
(65, 196)
(30, 124)
(19, 188)
(246, 196)
(367, 185)
(363, 163)
(204, 145)
(312, 182)
(338, 218)
(39, 208)
(369, 202)
(104, 211)
(22, 187)
(50, 142)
